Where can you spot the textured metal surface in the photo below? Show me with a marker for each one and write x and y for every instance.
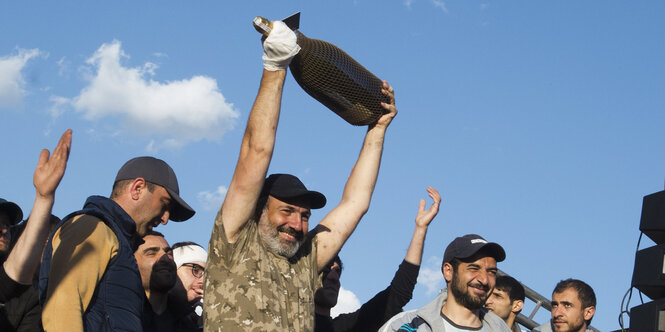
(338, 81)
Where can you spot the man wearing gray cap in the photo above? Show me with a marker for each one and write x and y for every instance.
(89, 279)
(469, 268)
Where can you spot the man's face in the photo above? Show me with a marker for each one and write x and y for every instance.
(5, 236)
(567, 312)
(155, 260)
(283, 226)
(191, 276)
(154, 210)
(472, 283)
(499, 303)
(326, 296)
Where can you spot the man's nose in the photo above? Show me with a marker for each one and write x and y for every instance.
(295, 221)
(165, 217)
(557, 311)
(483, 277)
(165, 257)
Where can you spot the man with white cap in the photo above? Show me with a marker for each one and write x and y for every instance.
(469, 268)
(190, 260)
(89, 279)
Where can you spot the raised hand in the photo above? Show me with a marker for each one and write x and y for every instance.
(385, 119)
(51, 168)
(424, 217)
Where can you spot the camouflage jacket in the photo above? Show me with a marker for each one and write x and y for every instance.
(248, 288)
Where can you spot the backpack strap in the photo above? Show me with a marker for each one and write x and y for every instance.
(413, 326)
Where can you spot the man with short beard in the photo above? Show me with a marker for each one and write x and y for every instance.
(573, 307)
(469, 268)
(263, 265)
(161, 311)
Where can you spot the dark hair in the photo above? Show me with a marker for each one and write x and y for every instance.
(153, 233)
(584, 292)
(261, 205)
(120, 185)
(455, 262)
(184, 244)
(511, 286)
(332, 262)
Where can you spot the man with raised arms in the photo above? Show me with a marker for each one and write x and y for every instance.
(263, 265)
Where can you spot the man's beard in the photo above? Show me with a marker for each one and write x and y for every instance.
(270, 236)
(163, 277)
(572, 326)
(464, 297)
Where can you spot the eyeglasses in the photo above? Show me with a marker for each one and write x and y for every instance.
(197, 270)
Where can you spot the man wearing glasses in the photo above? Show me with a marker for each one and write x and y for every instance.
(190, 259)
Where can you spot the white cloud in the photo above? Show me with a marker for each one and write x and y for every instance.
(430, 275)
(12, 84)
(63, 66)
(212, 200)
(408, 3)
(172, 113)
(346, 302)
(440, 4)
(484, 6)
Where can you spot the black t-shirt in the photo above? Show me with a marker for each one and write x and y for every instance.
(19, 308)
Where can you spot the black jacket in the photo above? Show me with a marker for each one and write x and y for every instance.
(375, 312)
(19, 305)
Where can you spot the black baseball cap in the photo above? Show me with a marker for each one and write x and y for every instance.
(468, 245)
(160, 173)
(12, 210)
(285, 186)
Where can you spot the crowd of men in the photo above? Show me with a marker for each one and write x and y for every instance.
(104, 268)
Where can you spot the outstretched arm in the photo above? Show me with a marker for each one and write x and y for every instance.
(337, 226)
(259, 139)
(24, 258)
(414, 254)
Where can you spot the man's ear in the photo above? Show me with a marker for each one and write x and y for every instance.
(447, 270)
(589, 312)
(137, 188)
(517, 306)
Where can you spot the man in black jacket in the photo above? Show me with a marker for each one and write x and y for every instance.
(20, 309)
(388, 302)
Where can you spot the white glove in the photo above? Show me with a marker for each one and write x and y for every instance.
(279, 47)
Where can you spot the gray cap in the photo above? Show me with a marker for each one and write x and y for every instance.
(160, 173)
(12, 210)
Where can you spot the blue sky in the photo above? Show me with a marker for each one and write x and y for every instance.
(541, 123)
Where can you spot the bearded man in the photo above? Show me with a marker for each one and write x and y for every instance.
(469, 268)
(263, 266)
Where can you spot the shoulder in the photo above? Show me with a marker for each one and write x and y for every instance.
(543, 328)
(85, 229)
(407, 321)
(494, 322)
